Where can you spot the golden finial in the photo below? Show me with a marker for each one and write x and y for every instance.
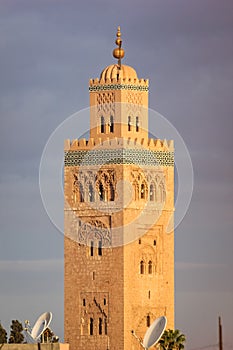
(118, 52)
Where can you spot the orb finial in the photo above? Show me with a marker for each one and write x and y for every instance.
(118, 52)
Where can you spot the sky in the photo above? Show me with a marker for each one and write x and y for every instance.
(49, 51)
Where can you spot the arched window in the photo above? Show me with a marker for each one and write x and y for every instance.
(100, 248)
(148, 320)
(142, 267)
(137, 124)
(129, 123)
(142, 191)
(101, 192)
(90, 193)
(91, 326)
(150, 267)
(111, 124)
(111, 192)
(100, 326)
(102, 126)
(152, 192)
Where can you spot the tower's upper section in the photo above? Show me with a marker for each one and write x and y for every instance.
(118, 101)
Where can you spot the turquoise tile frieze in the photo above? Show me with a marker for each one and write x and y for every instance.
(118, 87)
(119, 156)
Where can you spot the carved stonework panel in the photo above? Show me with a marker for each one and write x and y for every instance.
(149, 184)
(91, 185)
(94, 231)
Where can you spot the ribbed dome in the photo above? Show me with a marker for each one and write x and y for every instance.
(114, 71)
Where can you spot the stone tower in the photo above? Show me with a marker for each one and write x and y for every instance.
(119, 200)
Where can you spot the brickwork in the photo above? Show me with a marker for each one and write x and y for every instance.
(119, 258)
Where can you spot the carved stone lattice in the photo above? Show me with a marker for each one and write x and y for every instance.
(105, 104)
(94, 231)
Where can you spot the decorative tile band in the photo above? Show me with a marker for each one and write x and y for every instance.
(119, 156)
(118, 87)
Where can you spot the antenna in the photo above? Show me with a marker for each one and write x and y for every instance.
(220, 333)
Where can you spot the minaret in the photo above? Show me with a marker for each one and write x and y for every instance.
(119, 200)
(119, 101)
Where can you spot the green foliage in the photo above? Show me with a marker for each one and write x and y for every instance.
(16, 335)
(3, 335)
(172, 339)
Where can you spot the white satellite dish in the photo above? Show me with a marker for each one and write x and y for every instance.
(41, 324)
(28, 338)
(154, 332)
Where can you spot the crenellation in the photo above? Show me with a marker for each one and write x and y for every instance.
(153, 144)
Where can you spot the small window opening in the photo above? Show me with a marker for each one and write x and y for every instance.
(93, 275)
(139, 241)
(152, 193)
(102, 125)
(90, 193)
(142, 191)
(112, 194)
(100, 326)
(148, 320)
(149, 294)
(81, 193)
(150, 267)
(142, 267)
(111, 124)
(137, 124)
(129, 123)
(105, 326)
(105, 301)
(100, 248)
(92, 248)
(101, 192)
(91, 326)
(84, 302)
(154, 242)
